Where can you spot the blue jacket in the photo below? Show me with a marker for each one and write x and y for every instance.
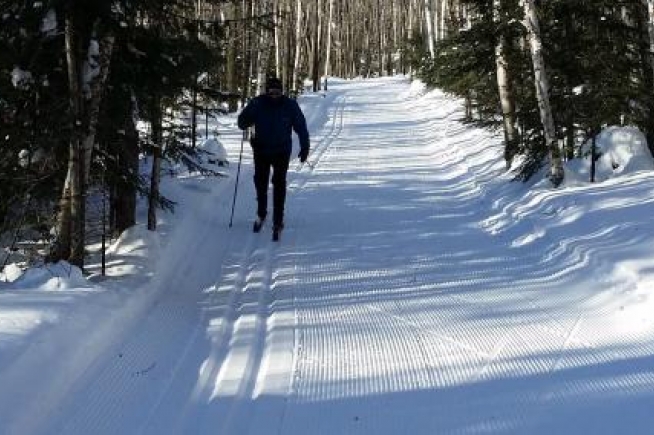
(274, 120)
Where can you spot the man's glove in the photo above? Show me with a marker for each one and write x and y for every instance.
(304, 153)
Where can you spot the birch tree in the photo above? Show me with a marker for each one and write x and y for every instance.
(541, 82)
(328, 48)
(429, 28)
(316, 46)
(263, 48)
(504, 87)
(298, 45)
(649, 4)
(649, 71)
(86, 81)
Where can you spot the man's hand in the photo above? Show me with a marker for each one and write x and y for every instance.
(304, 154)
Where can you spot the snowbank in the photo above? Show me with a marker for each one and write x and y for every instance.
(216, 150)
(621, 151)
(49, 277)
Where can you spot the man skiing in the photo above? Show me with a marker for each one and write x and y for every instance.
(275, 117)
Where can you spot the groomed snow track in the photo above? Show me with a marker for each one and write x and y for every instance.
(389, 307)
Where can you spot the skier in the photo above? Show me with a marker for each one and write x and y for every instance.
(274, 117)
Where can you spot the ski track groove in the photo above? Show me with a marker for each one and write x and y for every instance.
(363, 343)
(222, 335)
(142, 358)
(261, 275)
(321, 146)
(245, 368)
(336, 333)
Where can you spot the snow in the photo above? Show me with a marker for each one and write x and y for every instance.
(415, 291)
(49, 22)
(20, 78)
(91, 65)
(218, 153)
(59, 276)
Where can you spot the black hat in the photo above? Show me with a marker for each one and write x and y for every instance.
(274, 83)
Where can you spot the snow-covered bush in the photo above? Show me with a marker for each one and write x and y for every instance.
(620, 151)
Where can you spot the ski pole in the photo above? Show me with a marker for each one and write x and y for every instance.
(238, 173)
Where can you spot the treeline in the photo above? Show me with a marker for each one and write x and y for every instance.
(551, 73)
(88, 88)
(91, 90)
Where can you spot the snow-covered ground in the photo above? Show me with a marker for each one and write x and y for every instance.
(415, 291)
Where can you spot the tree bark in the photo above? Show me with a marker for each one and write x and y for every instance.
(230, 69)
(277, 39)
(429, 29)
(648, 71)
(263, 52)
(507, 99)
(328, 48)
(157, 153)
(542, 92)
(69, 227)
(315, 69)
(650, 27)
(298, 47)
(94, 101)
(125, 193)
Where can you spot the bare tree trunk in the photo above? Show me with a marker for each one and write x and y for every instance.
(650, 27)
(230, 70)
(542, 92)
(63, 225)
(648, 68)
(263, 52)
(507, 99)
(298, 47)
(245, 52)
(157, 153)
(287, 71)
(69, 227)
(94, 101)
(315, 69)
(394, 36)
(409, 28)
(430, 30)
(443, 18)
(328, 48)
(252, 51)
(382, 38)
(124, 201)
(276, 30)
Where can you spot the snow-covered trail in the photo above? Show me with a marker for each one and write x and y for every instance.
(391, 306)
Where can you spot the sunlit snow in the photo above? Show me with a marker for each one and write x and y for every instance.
(416, 290)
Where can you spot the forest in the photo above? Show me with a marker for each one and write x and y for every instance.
(92, 90)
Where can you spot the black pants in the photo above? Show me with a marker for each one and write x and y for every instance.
(262, 165)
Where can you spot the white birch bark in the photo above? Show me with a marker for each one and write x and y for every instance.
(328, 48)
(263, 53)
(298, 46)
(429, 28)
(650, 27)
(317, 43)
(505, 90)
(437, 20)
(542, 90)
(94, 100)
(410, 20)
(444, 12)
(395, 17)
(64, 225)
(382, 39)
(277, 29)
(86, 88)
